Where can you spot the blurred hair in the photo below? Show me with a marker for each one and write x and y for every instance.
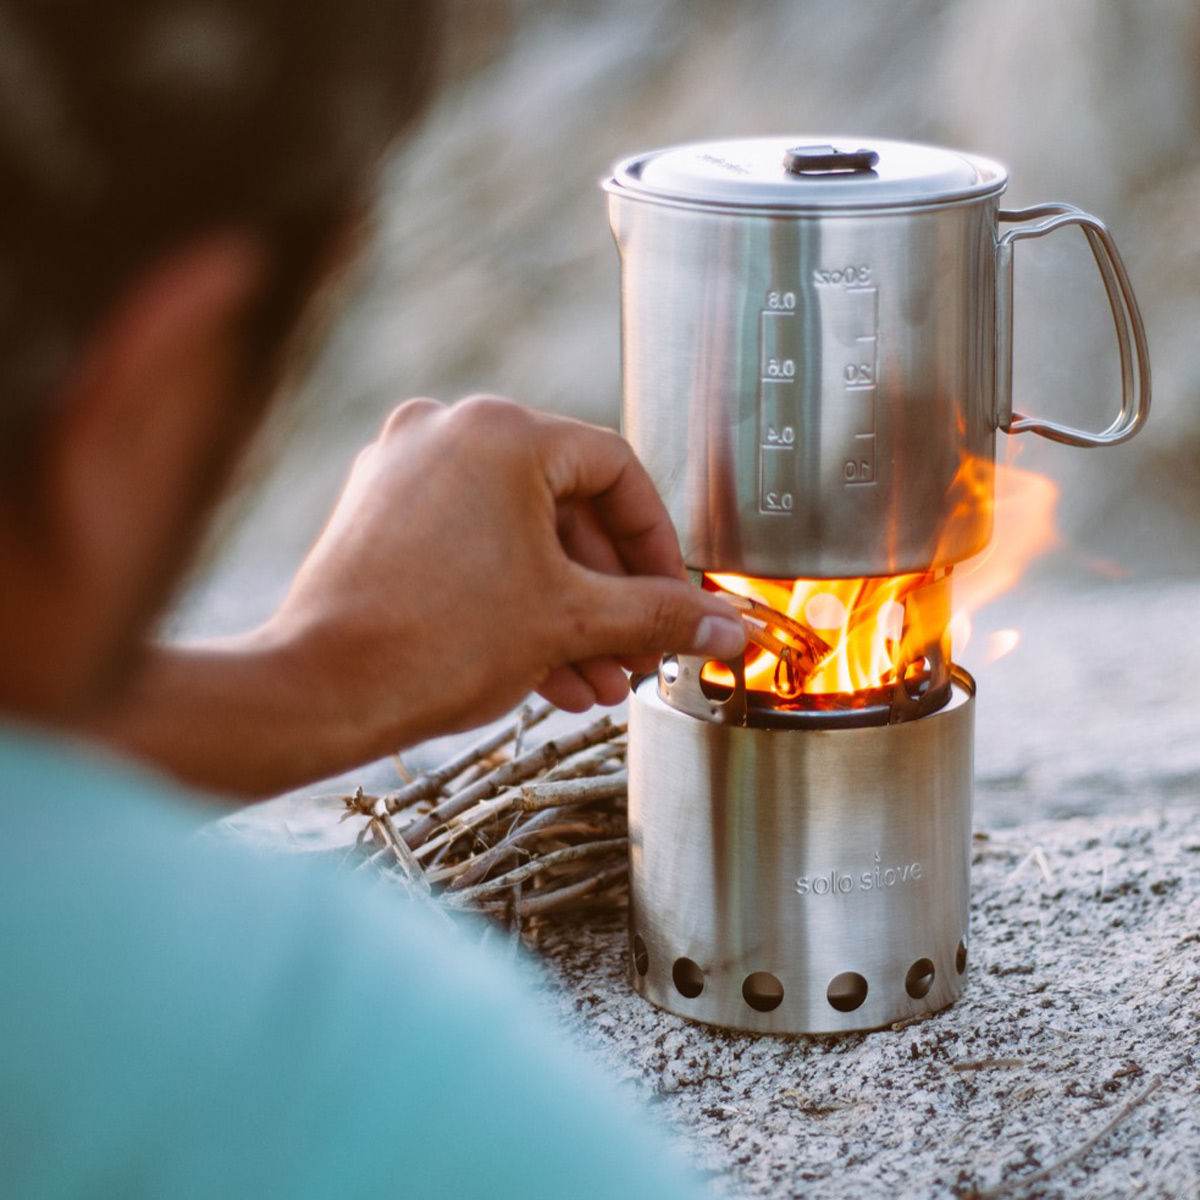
(129, 127)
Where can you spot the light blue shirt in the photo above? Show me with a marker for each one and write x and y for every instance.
(181, 1016)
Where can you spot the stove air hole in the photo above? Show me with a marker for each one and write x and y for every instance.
(762, 991)
(960, 958)
(689, 979)
(641, 956)
(718, 691)
(669, 668)
(846, 991)
(919, 979)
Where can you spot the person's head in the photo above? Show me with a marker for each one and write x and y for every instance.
(173, 175)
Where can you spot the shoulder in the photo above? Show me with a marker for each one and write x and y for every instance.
(191, 1016)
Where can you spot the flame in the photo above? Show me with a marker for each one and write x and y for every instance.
(879, 628)
(874, 627)
(1000, 643)
(1024, 529)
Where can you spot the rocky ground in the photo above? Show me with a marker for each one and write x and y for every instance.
(1082, 1012)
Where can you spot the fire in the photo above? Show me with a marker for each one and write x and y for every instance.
(874, 628)
(873, 631)
(1024, 530)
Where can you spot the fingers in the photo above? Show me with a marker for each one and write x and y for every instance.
(585, 540)
(639, 664)
(583, 462)
(577, 686)
(606, 679)
(404, 416)
(635, 616)
(565, 688)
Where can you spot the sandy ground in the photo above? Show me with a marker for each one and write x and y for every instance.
(1084, 987)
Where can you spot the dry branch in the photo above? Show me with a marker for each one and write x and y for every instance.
(387, 834)
(554, 859)
(432, 782)
(517, 833)
(574, 791)
(516, 770)
(541, 903)
(541, 825)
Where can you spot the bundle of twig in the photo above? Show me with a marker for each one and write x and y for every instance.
(514, 832)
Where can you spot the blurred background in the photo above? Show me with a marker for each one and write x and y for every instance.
(491, 267)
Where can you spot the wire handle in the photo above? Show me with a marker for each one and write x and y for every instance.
(1127, 317)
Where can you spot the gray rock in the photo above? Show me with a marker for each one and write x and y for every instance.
(1084, 988)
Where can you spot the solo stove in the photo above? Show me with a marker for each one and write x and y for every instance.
(817, 354)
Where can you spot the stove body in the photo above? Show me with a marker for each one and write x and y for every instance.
(799, 880)
(816, 360)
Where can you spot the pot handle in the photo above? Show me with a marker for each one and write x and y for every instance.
(1131, 333)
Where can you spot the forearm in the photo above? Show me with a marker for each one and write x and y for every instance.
(242, 716)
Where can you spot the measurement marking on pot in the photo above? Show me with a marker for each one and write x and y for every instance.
(779, 366)
(857, 328)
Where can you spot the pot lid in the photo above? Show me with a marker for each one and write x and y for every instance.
(809, 173)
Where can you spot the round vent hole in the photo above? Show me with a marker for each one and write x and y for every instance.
(762, 991)
(721, 689)
(846, 991)
(641, 956)
(919, 979)
(960, 958)
(689, 979)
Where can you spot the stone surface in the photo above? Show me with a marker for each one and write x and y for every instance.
(1083, 988)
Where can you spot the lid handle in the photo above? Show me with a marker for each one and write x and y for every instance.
(826, 160)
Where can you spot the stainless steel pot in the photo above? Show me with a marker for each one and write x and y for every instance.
(817, 344)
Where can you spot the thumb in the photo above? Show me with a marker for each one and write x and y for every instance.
(629, 615)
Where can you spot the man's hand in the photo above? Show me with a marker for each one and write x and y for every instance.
(478, 553)
(483, 551)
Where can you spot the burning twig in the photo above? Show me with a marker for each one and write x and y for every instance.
(799, 650)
